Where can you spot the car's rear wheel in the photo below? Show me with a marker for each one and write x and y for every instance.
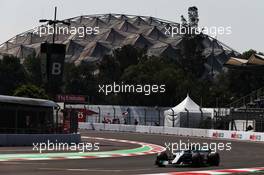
(213, 159)
(197, 160)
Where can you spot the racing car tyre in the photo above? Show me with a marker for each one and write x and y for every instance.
(161, 158)
(213, 159)
(197, 160)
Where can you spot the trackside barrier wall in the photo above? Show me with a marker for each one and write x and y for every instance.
(128, 128)
(112, 127)
(237, 135)
(200, 132)
(88, 126)
(185, 131)
(219, 134)
(143, 129)
(171, 130)
(157, 129)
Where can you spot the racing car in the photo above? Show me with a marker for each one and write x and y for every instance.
(192, 157)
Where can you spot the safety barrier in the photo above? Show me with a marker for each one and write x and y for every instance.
(236, 135)
(143, 129)
(156, 129)
(219, 134)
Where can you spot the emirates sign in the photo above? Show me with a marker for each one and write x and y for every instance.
(71, 98)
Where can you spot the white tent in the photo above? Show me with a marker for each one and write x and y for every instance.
(185, 114)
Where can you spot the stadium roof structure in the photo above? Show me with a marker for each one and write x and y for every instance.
(236, 61)
(255, 60)
(117, 30)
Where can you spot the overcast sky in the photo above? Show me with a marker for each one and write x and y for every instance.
(245, 17)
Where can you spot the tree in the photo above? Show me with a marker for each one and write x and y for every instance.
(193, 20)
(109, 69)
(12, 74)
(247, 54)
(112, 66)
(128, 55)
(80, 80)
(32, 65)
(192, 60)
(31, 91)
(156, 71)
(193, 17)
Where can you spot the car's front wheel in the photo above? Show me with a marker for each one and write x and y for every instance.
(161, 158)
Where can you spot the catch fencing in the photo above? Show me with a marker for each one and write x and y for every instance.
(138, 115)
(143, 115)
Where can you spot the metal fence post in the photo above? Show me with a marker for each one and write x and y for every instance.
(159, 118)
(246, 118)
(158, 110)
(173, 118)
(145, 116)
(99, 112)
(129, 116)
(114, 112)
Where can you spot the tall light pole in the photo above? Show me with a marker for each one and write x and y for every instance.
(54, 22)
(54, 25)
(52, 58)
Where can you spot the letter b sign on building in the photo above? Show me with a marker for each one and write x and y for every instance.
(56, 68)
(52, 62)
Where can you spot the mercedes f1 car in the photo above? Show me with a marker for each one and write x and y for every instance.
(195, 158)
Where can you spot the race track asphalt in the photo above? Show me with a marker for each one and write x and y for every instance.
(242, 155)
